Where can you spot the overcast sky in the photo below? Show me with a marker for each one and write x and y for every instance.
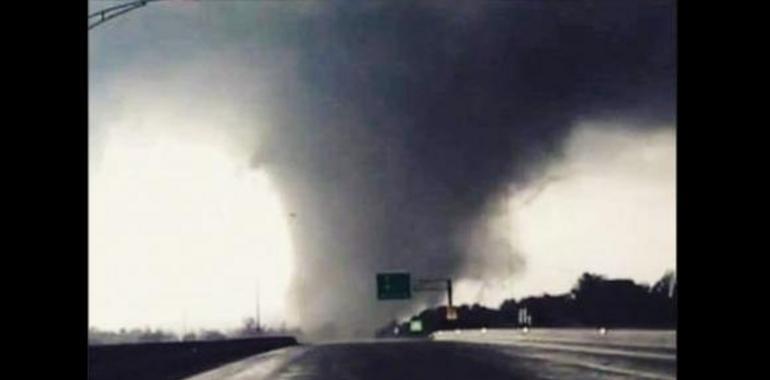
(300, 147)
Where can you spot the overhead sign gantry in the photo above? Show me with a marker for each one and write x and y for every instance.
(398, 286)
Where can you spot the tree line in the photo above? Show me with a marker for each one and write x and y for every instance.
(594, 301)
(248, 329)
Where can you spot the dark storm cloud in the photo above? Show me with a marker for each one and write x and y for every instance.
(394, 130)
(406, 121)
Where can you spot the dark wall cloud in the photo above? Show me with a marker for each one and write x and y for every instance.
(396, 130)
(410, 122)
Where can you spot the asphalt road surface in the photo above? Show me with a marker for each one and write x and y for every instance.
(445, 360)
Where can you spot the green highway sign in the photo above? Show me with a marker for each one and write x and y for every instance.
(415, 326)
(393, 286)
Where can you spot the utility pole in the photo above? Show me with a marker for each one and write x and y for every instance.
(259, 325)
(427, 285)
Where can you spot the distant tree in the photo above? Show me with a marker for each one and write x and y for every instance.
(613, 303)
(249, 328)
(157, 336)
(587, 283)
(212, 335)
(189, 337)
(666, 284)
(509, 311)
(96, 337)
(664, 298)
(550, 311)
(588, 299)
(123, 336)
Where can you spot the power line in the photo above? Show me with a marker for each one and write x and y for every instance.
(101, 16)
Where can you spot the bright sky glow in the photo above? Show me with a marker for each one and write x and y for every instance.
(179, 235)
(608, 207)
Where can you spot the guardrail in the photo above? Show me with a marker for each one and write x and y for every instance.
(626, 352)
(643, 343)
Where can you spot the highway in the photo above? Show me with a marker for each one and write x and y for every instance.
(451, 359)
